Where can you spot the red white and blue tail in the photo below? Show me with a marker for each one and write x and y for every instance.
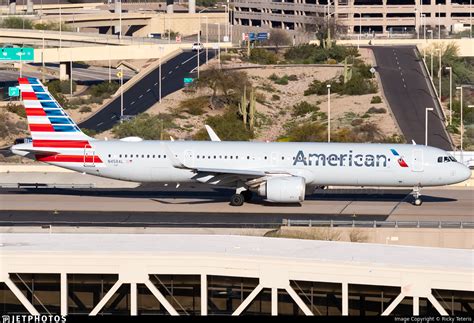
(55, 136)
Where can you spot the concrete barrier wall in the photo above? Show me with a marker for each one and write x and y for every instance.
(466, 46)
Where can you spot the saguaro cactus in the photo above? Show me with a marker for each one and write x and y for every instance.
(243, 106)
(252, 110)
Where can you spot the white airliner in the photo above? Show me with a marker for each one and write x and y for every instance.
(279, 172)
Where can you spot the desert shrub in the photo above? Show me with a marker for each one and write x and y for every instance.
(331, 61)
(275, 97)
(227, 126)
(63, 87)
(104, 88)
(16, 109)
(377, 110)
(225, 57)
(16, 23)
(357, 122)
(307, 132)
(85, 109)
(310, 54)
(358, 85)
(260, 97)
(303, 108)
(144, 126)
(267, 87)
(262, 56)
(194, 106)
(89, 132)
(282, 80)
(376, 99)
(292, 77)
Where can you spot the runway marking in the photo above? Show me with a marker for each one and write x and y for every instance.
(156, 83)
(141, 96)
(404, 85)
(100, 124)
(147, 90)
(177, 67)
(133, 102)
(163, 77)
(113, 117)
(170, 72)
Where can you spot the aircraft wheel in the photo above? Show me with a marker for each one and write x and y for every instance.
(247, 195)
(237, 200)
(418, 201)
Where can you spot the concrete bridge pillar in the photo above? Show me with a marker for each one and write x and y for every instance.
(12, 7)
(169, 6)
(29, 7)
(64, 71)
(117, 10)
(192, 6)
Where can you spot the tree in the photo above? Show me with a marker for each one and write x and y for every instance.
(224, 82)
(325, 29)
(279, 38)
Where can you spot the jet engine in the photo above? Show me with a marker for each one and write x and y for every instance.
(287, 189)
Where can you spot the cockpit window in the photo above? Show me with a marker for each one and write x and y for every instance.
(446, 159)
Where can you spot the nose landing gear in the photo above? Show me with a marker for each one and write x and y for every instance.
(417, 196)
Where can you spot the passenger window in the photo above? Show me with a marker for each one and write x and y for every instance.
(136, 156)
(126, 156)
(110, 155)
(153, 156)
(231, 157)
(120, 156)
(159, 156)
(164, 156)
(248, 157)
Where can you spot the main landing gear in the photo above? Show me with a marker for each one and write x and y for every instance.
(238, 199)
(417, 196)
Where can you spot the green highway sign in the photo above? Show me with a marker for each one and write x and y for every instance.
(13, 91)
(188, 80)
(17, 54)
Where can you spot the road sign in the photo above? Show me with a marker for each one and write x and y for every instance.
(372, 70)
(251, 36)
(13, 91)
(119, 74)
(188, 80)
(17, 54)
(245, 36)
(263, 36)
(226, 38)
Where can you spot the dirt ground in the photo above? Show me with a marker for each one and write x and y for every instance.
(343, 108)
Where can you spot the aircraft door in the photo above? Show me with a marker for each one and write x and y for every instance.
(189, 158)
(417, 160)
(89, 156)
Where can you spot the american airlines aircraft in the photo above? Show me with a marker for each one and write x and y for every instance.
(279, 172)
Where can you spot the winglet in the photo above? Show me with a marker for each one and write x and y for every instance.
(212, 134)
(413, 142)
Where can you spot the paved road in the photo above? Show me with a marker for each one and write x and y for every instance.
(210, 207)
(142, 95)
(406, 88)
(81, 74)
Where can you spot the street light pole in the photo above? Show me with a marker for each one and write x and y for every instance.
(120, 19)
(450, 93)
(207, 40)
(431, 75)
(416, 24)
(439, 20)
(423, 23)
(439, 74)
(426, 125)
(360, 30)
(199, 47)
(159, 71)
(60, 25)
(462, 126)
(121, 93)
(329, 112)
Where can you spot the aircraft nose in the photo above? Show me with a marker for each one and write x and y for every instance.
(463, 172)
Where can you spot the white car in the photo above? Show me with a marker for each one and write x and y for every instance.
(197, 46)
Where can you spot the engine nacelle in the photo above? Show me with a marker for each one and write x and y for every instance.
(287, 189)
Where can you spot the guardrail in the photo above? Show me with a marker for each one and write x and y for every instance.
(378, 224)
